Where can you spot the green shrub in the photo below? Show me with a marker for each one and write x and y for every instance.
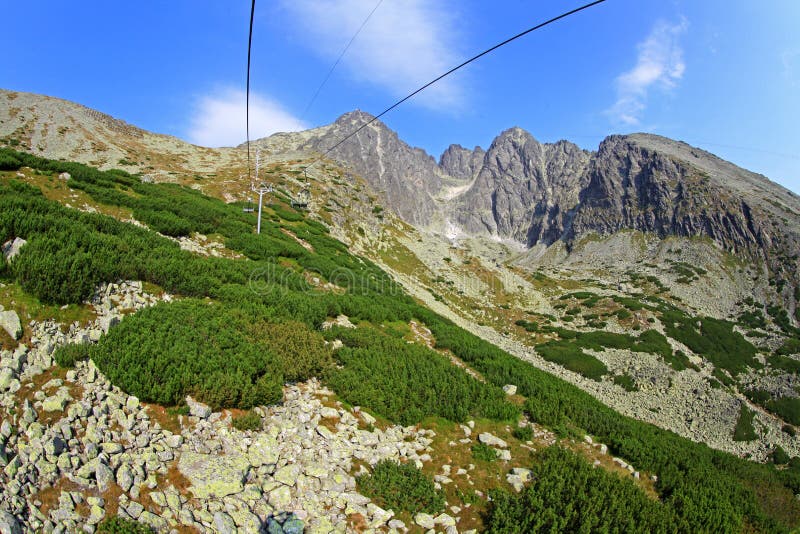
(790, 346)
(715, 340)
(744, 430)
(790, 365)
(570, 356)
(779, 456)
(787, 408)
(483, 452)
(401, 487)
(625, 382)
(523, 433)
(301, 352)
(567, 495)
(247, 421)
(164, 353)
(408, 382)
(67, 355)
(120, 525)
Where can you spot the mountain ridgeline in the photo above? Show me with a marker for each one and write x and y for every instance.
(543, 193)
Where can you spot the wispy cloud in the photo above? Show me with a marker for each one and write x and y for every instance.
(659, 64)
(405, 44)
(791, 66)
(219, 119)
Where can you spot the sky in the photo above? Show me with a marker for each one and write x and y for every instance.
(723, 75)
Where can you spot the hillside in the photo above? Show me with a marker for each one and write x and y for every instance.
(397, 318)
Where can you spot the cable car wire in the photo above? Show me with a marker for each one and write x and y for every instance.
(247, 103)
(451, 71)
(339, 59)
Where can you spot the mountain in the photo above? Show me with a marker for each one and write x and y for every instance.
(60, 129)
(539, 194)
(635, 304)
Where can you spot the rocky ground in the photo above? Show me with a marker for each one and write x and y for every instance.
(74, 450)
(683, 402)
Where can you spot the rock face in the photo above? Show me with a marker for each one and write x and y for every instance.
(540, 194)
(524, 190)
(407, 176)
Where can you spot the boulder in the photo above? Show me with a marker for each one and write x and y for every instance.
(9, 524)
(510, 389)
(9, 321)
(198, 409)
(493, 441)
(263, 451)
(223, 523)
(214, 476)
(12, 247)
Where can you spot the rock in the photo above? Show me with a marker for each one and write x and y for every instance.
(367, 418)
(510, 389)
(9, 321)
(107, 321)
(7, 376)
(425, 521)
(287, 474)
(223, 523)
(56, 403)
(12, 247)
(64, 176)
(124, 477)
(104, 476)
(280, 498)
(524, 474)
(263, 451)
(444, 520)
(198, 409)
(9, 524)
(493, 441)
(214, 476)
(96, 514)
(293, 525)
(174, 441)
(396, 524)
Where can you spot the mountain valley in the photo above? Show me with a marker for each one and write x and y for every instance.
(619, 303)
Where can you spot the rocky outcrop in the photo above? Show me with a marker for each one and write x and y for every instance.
(460, 162)
(407, 176)
(525, 190)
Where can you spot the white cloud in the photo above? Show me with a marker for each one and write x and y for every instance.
(220, 119)
(659, 64)
(405, 44)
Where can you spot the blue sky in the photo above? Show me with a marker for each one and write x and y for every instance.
(722, 75)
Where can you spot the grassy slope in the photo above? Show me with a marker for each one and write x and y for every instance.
(704, 489)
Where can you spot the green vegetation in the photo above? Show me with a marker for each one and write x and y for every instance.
(744, 430)
(224, 302)
(570, 356)
(483, 452)
(401, 487)
(713, 339)
(409, 382)
(523, 433)
(589, 500)
(787, 408)
(790, 346)
(753, 319)
(68, 355)
(247, 421)
(190, 347)
(790, 365)
(121, 525)
(625, 382)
